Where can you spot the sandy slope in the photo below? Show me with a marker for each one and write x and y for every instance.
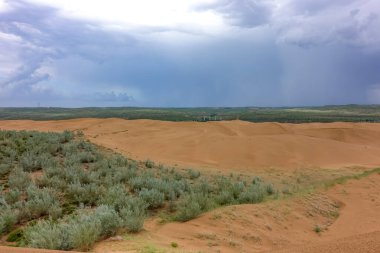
(286, 226)
(227, 145)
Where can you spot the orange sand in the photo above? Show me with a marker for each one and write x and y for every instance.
(229, 145)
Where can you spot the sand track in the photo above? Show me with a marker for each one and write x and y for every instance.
(228, 145)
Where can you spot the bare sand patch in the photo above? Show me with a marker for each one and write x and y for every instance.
(228, 145)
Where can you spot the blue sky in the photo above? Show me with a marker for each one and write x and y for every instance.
(74, 53)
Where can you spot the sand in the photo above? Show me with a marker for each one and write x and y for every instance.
(228, 145)
(285, 226)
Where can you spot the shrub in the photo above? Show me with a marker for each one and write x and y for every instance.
(84, 230)
(188, 211)
(133, 214)
(149, 164)
(270, 189)
(30, 161)
(47, 234)
(19, 179)
(193, 174)
(12, 196)
(4, 169)
(109, 220)
(66, 136)
(254, 194)
(225, 198)
(86, 157)
(8, 219)
(115, 197)
(42, 201)
(86, 194)
(190, 207)
(152, 197)
(16, 235)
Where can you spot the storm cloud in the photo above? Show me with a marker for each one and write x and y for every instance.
(199, 53)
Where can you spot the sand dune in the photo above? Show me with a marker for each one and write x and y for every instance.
(229, 145)
(286, 226)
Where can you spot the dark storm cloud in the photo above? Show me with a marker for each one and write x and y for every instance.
(303, 53)
(45, 37)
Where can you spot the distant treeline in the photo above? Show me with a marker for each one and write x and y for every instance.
(345, 113)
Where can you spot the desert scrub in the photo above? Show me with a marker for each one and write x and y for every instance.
(133, 214)
(8, 219)
(80, 195)
(152, 197)
(42, 202)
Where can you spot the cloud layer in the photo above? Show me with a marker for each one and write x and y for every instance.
(190, 53)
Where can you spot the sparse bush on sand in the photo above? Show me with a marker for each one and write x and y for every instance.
(68, 195)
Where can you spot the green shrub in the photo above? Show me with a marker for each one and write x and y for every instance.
(254, 194)
(18, 179)
(42, 202)
(12, 196)
(84, 231)
(47, 234)
(86, 194)
(225, 198)
(152, 197)
(270, 189)
(4, 169)
(193, 174)
(8, 219)
(149, 164)
(30, 161)
(66, 136)
(115, 197)
(133, 214)
(109, 220)
(191, 206)
(16, 235)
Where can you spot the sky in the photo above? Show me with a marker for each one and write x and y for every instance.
(189, 53)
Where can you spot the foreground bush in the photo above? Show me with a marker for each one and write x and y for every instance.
(133, 214)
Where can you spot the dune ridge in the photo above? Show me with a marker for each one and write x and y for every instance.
(228, 145)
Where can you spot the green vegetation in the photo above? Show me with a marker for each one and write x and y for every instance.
(58, 191)
(347, 113)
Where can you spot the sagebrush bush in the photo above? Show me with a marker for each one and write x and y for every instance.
(193, 174)
(12, 196)
(152, 197)
(84, 231)
(8, 219)
(109, 220)
(254, 194)
(18, 179)
(4, 169)
(47, 234)
(187, 209)
(115, 197)
(87, 193)
(42, 202)
(133, 214)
